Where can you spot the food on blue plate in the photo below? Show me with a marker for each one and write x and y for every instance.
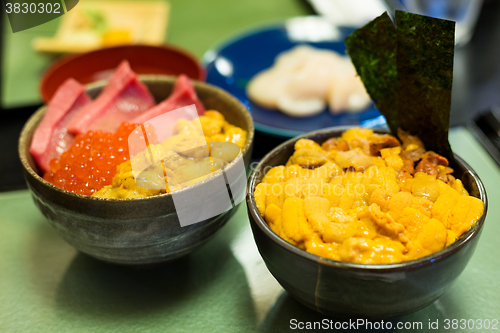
(366, 198)
(80, 143)
(305, 80)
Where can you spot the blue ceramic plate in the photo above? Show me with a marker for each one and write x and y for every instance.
(231, 66)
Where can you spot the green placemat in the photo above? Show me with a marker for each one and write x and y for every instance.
(22, 67)
(47, 286)
(193, 24)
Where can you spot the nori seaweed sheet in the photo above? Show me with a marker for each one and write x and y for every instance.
(408, 72)
(372, 49)
(425, 48)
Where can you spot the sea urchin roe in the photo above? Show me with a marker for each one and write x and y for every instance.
(182, 164)
(361, 198)
(91, 162)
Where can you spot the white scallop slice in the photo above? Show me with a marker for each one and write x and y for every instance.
(312, 80)
(294, 59)
(346, 91)
(304, 79)
(301, 107)
(359, 99)
(266, 87)
(307, 84)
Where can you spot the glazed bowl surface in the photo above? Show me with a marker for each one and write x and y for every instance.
(132, 231)
(349, 290)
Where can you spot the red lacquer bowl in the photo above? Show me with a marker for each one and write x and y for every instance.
(99, 64)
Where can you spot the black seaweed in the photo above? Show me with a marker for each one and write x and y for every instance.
(425, 48)
(372, 49)
(408, 72)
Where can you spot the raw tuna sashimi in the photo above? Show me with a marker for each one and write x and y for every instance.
(123, 99)
(51, 137)
(182, 95)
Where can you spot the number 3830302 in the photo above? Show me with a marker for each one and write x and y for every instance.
(33, 7)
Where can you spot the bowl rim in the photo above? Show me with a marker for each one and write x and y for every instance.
(38, 115)
(65, 60)
(373, 268)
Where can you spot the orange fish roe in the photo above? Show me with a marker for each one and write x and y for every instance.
(91, 162)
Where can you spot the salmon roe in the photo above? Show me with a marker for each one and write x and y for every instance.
(91, 162)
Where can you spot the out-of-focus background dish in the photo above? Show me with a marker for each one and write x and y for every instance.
(232, 65)
(96, 23)
(99, 64)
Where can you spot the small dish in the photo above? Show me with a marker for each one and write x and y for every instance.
(99, 65)
(95, 24)
(343, 289)
(233, 63)
(132, 231)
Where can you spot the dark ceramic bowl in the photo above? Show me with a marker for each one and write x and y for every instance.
(342, 289)
(131, 231)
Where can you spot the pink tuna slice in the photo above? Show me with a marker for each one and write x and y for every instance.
(182, 95)
(51, 138)
(123, 99)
